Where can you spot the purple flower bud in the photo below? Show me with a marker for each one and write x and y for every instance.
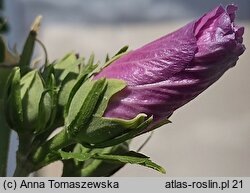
(169, 72)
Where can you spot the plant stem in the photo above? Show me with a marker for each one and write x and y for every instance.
(45, 153)
(4, 129)
(23, 165)
(4, 142)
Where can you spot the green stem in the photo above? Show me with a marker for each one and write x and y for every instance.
(4, 142)
(23, 165)
(45, 154)
(4, 129)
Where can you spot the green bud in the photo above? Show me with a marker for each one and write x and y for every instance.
(28, 102)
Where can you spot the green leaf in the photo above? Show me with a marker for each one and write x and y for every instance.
(132, 158)
(94, 167)
(76, 156)
(129, 157)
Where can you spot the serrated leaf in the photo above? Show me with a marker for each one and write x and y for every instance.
(93, 167)
(129, 157)
(76, 156)
(132, 158)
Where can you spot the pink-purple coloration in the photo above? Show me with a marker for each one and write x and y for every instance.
(169, 72)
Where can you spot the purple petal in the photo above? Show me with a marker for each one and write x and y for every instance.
(169, 72)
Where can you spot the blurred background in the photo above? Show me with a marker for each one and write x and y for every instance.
(209, 136)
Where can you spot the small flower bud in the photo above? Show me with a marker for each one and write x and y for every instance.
(28, 102)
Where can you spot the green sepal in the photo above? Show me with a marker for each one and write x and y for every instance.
(34, 101)
(119, 54)
(12, 100)
(88, 69)
(131, 133)
(52, 90)
(47, 106)
(130, 157)
(82, 106)
(102, 132)
(67, 66)
(122, 51)
(66, 72)
(92, 129)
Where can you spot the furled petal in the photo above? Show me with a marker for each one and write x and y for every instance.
(169, 72)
